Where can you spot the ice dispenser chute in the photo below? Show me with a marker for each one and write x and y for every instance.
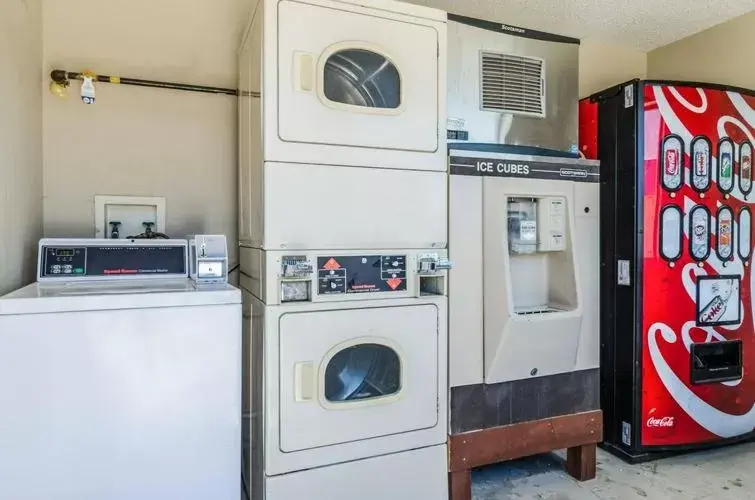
(542, 277)
(533, 312)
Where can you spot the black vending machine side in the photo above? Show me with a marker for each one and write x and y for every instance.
(619, 133)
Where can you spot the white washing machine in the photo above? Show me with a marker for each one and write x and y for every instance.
(347, 83)
(120, 378)
(348, 387)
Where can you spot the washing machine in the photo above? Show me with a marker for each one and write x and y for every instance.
(347, 393)
(120, 377)
(346, 82)
(342, 113)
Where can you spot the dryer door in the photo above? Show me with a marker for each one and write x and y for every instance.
(357, 374)
(356, 79)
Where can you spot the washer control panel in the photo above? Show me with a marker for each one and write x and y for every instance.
(64, 261)
(91, 259)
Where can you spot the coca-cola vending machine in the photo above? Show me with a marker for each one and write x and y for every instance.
(677, 287)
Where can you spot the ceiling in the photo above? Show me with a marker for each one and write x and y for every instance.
(640, 24)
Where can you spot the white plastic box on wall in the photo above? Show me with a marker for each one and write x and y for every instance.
(131, 212)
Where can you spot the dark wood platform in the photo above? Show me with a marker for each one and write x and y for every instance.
(578, 433)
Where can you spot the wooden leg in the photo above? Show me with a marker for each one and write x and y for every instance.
(581, 462)
(460, 485)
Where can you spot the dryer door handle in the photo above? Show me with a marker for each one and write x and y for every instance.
(304, 72)
(304, 385)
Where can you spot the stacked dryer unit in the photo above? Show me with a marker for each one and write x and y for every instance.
(343, 250)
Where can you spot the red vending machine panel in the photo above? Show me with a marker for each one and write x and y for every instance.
(677, 288)
(588, 129)
(698, 383)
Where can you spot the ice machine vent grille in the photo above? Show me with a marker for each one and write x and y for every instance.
(513, 84)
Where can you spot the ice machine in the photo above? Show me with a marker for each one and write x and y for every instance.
(523, 229)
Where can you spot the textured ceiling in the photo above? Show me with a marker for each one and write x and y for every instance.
(641, 24)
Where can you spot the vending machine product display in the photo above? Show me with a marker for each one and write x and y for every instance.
(676, 252)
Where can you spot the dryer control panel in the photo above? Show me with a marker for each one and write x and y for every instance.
(355, 276)
(361, 274)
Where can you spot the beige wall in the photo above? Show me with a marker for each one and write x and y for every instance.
(721, 54)
(602, 65)
(20, 141)
(143, 141)
(149, 142)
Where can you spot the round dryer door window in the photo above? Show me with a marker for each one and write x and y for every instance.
(358, 77)
(362, 372)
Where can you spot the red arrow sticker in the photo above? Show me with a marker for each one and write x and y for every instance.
(394, 283)
(332, 265)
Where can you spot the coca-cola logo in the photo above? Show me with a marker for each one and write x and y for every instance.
(660, 422)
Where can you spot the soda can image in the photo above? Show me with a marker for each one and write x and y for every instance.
(672, 152)
(672, 162)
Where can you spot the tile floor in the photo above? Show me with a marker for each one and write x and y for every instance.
(724, 473)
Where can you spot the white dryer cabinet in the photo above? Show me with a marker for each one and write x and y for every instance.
(347, 391)
(342, 114)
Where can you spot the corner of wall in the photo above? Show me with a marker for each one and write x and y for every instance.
(20, 142)
(720, 54)
(603, 65)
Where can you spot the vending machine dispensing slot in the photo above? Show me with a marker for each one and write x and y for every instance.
(716, 362)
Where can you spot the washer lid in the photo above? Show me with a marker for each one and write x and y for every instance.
(71, 297)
